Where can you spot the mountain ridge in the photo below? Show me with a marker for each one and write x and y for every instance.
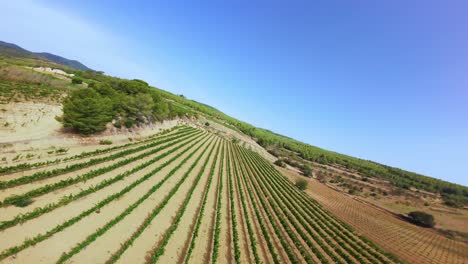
(14, 50)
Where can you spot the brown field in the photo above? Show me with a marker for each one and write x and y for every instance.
(409, 242)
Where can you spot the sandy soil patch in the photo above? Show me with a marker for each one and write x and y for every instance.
(28, 121)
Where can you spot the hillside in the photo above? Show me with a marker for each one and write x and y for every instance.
(100, 169)
(9, 49)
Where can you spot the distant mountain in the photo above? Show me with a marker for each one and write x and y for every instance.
(64, 61)
(13, 50)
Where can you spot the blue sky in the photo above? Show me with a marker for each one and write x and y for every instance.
(380, 80)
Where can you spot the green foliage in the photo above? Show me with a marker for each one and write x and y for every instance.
(280, 163)
(301, 184)
(207, 124)
(307, 171)
(61, 150)
(105, 142)
(76, 80)
(86, 111)
(22, 202)
(422, 218)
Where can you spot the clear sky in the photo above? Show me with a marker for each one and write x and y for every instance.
(380, 80)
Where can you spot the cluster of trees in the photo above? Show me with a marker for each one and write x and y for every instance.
(422, 218)
(123, 102)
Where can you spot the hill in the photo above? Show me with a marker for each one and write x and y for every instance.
(14, 50)
(64, 61)
(203, 189)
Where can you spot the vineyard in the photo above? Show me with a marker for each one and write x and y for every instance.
(185, 196)
(409, 242)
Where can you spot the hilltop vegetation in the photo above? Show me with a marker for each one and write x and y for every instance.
(124, 102)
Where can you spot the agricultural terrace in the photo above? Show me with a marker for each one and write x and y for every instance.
(185, 196)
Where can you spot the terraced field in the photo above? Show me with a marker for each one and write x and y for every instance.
(187, 196)
(411, 243)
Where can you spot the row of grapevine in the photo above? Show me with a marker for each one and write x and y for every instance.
(253, 243)
(186, 196)
(343, 230)
(234, 223)
(201, 212)
(87, 176)
(279, 233)
(279, 218)
(41, 237)
(26, 166)
(99, 232)
(350, 245)
(41, 175)
(21, 218)
(219, 206)
(158, 250)
(260, 217)
(300, 227)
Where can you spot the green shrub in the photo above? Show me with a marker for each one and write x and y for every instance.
(61, 150)
(307, 170)
(86, 112)
(129, 123)
(280, 163)
(76, 80)
(207, 124)
(105, 142)
(301, 184)
(22, 202)
(422, 218)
